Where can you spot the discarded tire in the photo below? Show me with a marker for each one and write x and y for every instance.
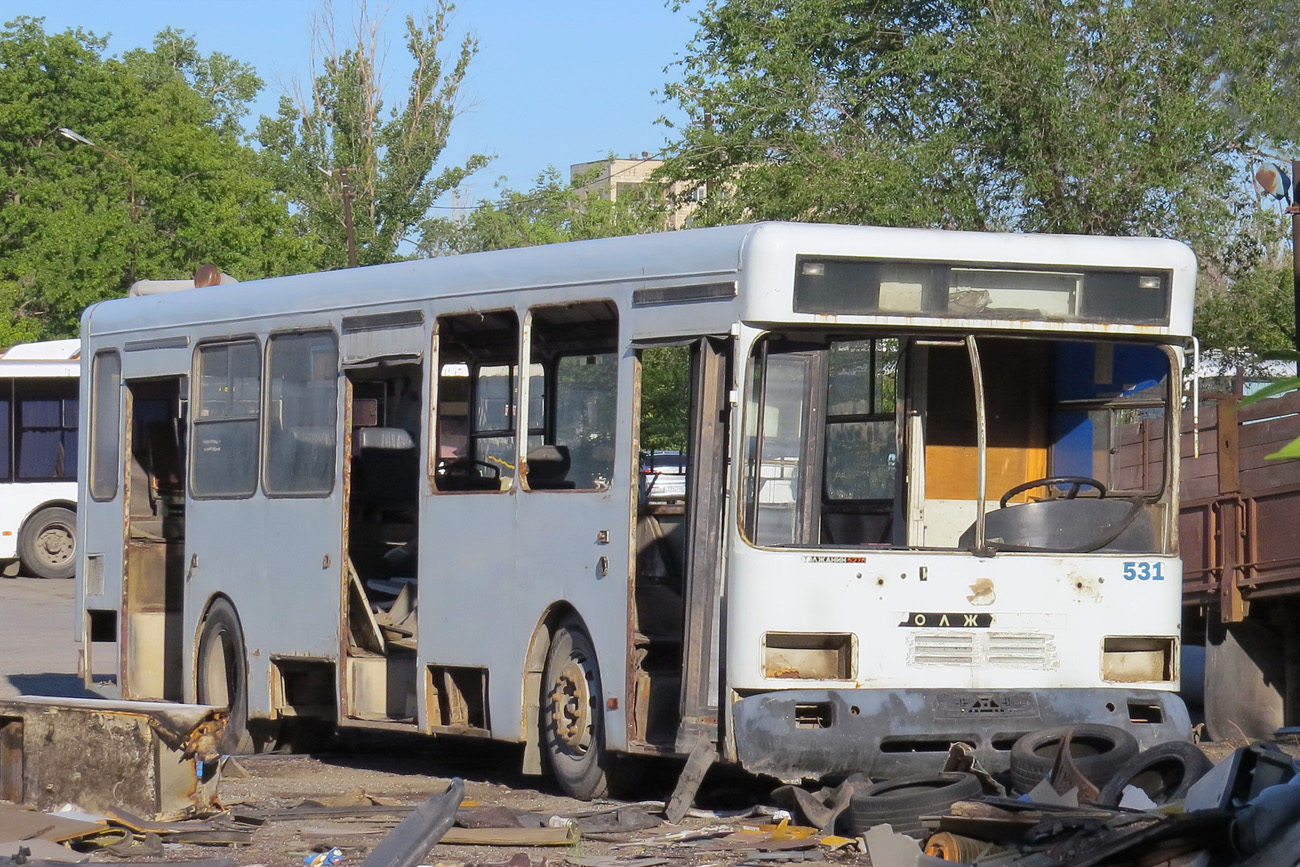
(1098, 752)
(902, 802)
(1165, 772)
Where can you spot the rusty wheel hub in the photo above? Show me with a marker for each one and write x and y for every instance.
(571, 706)
(55, 544)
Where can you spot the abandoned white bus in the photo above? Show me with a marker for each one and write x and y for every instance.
(912, 512)
(38, 456)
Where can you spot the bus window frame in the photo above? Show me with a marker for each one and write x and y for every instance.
(196, 387)
(99, 430)
(264, 457)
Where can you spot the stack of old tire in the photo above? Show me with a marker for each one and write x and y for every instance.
(1106, 755)
(1109, 757)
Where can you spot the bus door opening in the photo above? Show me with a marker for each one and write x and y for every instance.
(154, 579)
(678, 555)
(382, 576)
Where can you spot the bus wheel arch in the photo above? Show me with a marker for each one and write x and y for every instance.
(539, 647)
(573, 719)
(221, 670)
(47, 541)
(570, 704)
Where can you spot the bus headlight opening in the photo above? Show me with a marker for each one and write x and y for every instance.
(1128, 659)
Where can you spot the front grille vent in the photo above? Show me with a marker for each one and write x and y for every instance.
(993, 649)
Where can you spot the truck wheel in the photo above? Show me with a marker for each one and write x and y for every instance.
(221, 674)
(573, 720)
(47, 543)
(1245, 681)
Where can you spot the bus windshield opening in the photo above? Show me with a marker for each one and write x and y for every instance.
(980, 443)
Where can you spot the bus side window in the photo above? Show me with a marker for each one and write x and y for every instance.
(478, 389)
(229, 377)
(105, 427)
(302, 413)
(572, 400)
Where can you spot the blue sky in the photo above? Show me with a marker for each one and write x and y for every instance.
(555, 81)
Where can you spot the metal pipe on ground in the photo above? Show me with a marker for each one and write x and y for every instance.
(408, 843)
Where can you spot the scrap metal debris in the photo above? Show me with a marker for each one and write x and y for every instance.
(415, 835)
(1167, 810)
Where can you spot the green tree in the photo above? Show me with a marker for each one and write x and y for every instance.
(551, 212)
(665, 398)
(228, 85)
(164, 187)
(339, 133)
(1037, 115)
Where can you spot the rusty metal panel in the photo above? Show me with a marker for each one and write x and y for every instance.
(11, 759)
(151, 758)
(1196, 544)
(1230, 540)
(1244, 543)
(1229, 480)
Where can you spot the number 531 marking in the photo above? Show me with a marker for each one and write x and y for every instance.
(1141, 570)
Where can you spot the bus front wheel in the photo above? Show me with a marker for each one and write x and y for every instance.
(573, 729)
(47, 545)
(222, 674)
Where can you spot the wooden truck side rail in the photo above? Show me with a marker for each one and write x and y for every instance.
(1239, 538)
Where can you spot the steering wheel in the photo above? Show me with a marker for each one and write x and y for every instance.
(1075, 483)
(467, 467)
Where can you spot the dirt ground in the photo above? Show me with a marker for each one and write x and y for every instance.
(363, 767)
(409, 770)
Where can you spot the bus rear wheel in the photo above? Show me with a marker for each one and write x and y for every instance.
(47, 545)
(573, 730)
(222, 674)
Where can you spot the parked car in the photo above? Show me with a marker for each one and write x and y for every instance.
(663, 475)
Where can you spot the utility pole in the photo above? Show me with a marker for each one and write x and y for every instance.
(348, 225)
(347, 217)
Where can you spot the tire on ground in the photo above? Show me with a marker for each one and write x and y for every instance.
(1098, 752)
(572, 715)
(1165, 772)
(221, 673)
(47, 543)
(902, 802)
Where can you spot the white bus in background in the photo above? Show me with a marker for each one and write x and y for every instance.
(38, 456)
(928, 496)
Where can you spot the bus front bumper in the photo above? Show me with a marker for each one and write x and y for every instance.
(811, 733)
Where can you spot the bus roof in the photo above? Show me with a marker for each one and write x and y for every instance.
(44, 358)
(615, 266)
(45, 350)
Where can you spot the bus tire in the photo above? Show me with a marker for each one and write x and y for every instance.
(221, 674)
(47, 544)
(572, 718)
(900, 803)
(1098, 751)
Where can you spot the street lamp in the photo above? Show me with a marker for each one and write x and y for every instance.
(77, 137)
